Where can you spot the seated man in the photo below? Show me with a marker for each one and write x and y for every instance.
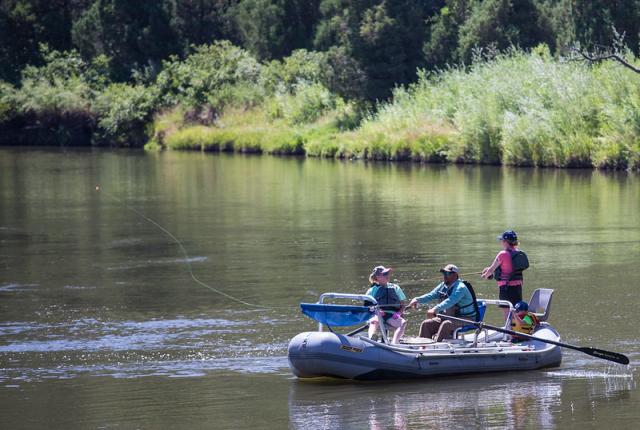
(523, 320)
(455, 300)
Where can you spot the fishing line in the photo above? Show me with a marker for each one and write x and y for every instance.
(434, 279)
(204, 284)
(184, 251)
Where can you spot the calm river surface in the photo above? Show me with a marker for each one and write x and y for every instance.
(102, 325)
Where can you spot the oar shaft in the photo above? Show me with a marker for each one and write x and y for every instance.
(507, 331)
(358, 330)
(599, 353)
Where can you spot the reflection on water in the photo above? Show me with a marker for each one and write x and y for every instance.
(482, 402)
(102, 326)
(513, 400)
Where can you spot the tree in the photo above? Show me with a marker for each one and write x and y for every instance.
(24, 24)
(197, 22)
(272, 29)
(133, 34)
(384, 38)
(593, 20)
(503, 23)
(441, 44)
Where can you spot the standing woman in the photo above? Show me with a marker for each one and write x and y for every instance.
(507, 269)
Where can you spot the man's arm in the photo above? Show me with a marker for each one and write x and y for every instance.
(456, 296)
(426, 298)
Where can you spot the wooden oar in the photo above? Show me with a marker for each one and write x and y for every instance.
(594, 352)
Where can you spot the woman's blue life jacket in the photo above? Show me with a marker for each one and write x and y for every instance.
(519, 262)
(387, 299)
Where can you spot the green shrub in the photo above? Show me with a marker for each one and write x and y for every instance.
(210, 78)
(124, 111)
(7, 104)
(301, 67)
(307, 103)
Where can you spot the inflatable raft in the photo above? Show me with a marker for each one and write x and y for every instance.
(352, 356)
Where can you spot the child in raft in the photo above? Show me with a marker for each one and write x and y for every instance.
(522, 320)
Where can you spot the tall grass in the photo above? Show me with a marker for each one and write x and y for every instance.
(520, 109)
(524, 109)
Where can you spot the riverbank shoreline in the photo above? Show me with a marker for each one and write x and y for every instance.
(516, 109)
(257, 153)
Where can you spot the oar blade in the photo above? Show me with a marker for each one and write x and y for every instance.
(606, 355)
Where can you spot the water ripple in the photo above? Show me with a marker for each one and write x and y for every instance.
(177, 347)
(16, 287)
(158, 262)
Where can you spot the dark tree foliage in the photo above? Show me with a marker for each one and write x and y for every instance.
(24, 25)
(272, 29)
(381, 43)
(501, 24)
(441, 44)
(198, 22)
(384, 37)
(593, 21)
(133, 34)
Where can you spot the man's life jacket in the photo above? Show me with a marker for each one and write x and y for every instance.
(519, 263)
(463, 310)
(526, 328)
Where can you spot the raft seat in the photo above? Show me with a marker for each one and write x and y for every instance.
(540, 303)
(482, 307)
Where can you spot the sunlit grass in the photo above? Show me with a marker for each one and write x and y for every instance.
(525, 109)
(519, 109)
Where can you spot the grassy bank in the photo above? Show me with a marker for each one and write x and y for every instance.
(248, 131)
(520, 109)
(524, 109)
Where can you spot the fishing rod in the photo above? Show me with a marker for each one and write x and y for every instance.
(435, 279)
(182, 249)
(594, 352)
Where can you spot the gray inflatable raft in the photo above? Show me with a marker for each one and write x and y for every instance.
(317, 354)
(321, 353)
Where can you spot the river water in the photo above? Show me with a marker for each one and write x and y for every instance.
(102, 324)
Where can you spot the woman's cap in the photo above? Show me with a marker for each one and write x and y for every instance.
(521, 306)
(380, 270)
(509, 236)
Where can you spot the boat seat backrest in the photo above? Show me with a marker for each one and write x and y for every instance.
(482, 307)
(540, 303)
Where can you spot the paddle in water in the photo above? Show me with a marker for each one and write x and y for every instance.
(594, 352)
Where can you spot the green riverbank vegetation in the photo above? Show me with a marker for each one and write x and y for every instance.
(451, 81)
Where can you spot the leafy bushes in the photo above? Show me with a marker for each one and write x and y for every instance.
(513, 108)
(7, 111)
(305, 104)
(209, 79)
(124, 111)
